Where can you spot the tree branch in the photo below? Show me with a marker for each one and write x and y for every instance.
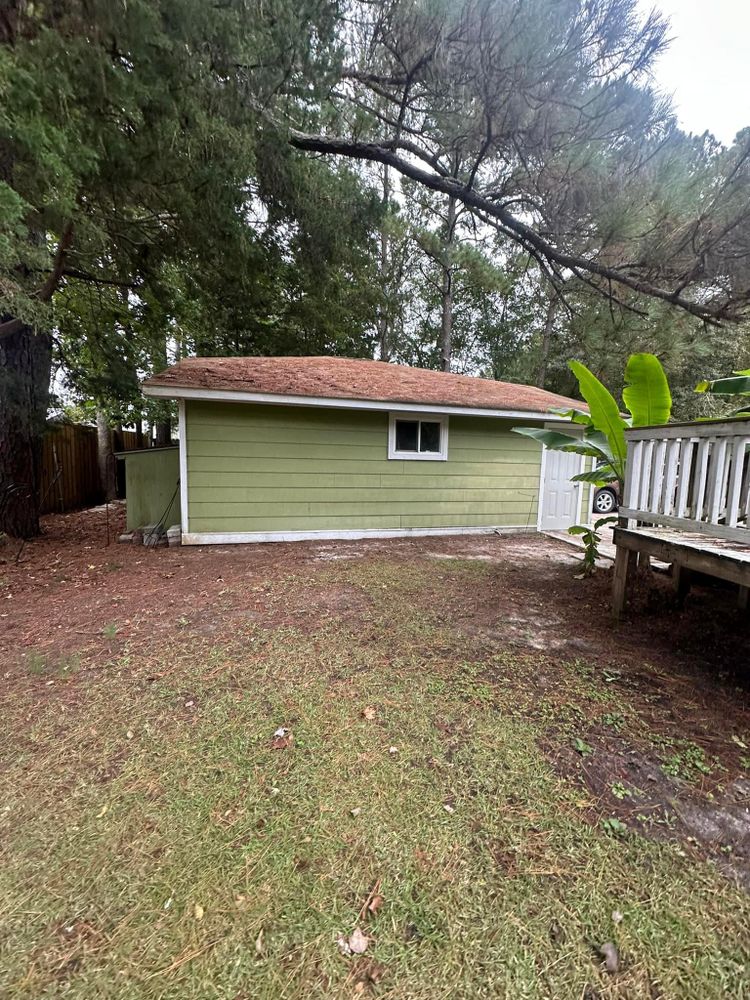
(94, 279)
(517, 230)
(47, 290)
(53, 279)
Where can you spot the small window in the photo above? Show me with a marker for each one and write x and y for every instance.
(412, 438)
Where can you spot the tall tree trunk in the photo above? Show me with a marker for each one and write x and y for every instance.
(446, 291)
(383, 323)
(163, 425)
(549, 320)
(446, 319)
(139, 433)
(106, 456)
(163, 433)
(25, 369)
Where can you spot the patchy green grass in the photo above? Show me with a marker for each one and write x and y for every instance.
(154, 844)
(41, 665)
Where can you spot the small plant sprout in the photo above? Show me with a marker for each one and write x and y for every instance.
(687, 763)
(620, 791)
(614, 827)
(614, 720)
(591, 538)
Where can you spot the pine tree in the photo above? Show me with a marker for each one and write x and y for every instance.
(128, 135)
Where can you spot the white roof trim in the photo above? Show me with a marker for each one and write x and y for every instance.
(278, 399)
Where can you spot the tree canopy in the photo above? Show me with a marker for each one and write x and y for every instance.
(490, 186)
(542, 119)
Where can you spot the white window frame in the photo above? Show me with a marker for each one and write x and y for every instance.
(418, 456)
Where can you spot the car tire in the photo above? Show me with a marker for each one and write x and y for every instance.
(605, 502)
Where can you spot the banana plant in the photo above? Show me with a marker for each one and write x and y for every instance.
(647, 399)
(737, 384)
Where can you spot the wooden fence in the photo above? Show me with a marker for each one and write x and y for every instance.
(70, 467)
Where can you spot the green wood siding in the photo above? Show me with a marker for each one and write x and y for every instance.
(254, 468)
(150, 485)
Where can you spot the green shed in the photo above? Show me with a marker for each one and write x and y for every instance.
(286, 449)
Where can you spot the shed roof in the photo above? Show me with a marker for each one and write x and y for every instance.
(350, 379)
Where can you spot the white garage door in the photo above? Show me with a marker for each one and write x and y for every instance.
(560, 497)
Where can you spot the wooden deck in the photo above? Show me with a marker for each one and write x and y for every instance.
(687, 502)
(687, 552)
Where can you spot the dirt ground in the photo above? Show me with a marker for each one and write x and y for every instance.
(76, 587)
(69, 599)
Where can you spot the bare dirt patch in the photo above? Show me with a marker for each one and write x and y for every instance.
(71, 591)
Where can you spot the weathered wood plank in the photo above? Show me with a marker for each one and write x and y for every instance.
(633, 472)
(700, 482)
(685, 524)
(671, 461)
(734, 488)
(657, 476)
(716, 485)
(625, 565)
(708, 428)
(646, 474)
(726, 564)
(681, 580)
(687, 451)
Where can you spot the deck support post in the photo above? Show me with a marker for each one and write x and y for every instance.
(681, 580)
(625, 564)
(743, 598)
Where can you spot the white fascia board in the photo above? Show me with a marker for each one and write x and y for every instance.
(274, 399)
(540, 494)
(352, 534)
(182, 435)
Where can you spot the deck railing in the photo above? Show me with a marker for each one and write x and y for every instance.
(694, 476)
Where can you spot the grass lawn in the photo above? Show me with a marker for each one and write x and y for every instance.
(156, 843)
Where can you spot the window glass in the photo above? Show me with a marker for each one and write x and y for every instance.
(429, 438)
(407, 433)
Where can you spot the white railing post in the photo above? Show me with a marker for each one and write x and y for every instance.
(687, 449)
(717, 469)
(632, 472)
(670, 479)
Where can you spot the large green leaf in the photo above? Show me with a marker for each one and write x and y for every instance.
(605, 414)
(555, 440)
(739, 385)
(599, 476)
(572, 414)
(647, 395)
(599, 444)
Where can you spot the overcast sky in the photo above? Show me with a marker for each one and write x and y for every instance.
(707, 65)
